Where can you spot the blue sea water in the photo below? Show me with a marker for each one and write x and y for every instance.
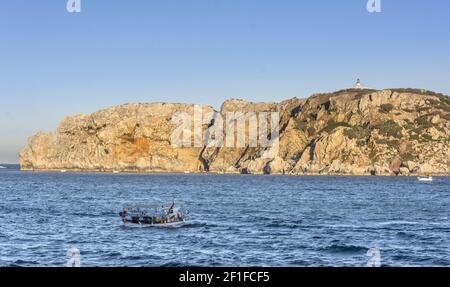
(234, 220)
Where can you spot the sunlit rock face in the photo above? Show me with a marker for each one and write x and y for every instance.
(133, 137)
(349, 132)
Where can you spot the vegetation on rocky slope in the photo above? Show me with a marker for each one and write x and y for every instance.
(397, 131)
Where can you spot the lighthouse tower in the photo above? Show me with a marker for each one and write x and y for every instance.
(358, 84)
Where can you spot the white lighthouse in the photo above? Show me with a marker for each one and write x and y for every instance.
(358, 84)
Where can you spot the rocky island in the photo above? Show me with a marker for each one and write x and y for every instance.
(349, 132)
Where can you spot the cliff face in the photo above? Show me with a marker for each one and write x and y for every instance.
(130, 137)
(355, 132)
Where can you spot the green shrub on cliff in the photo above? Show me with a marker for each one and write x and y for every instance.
(423, 121)
(418, 91)
(361, 143)
(331, 125)
(426, 138)
(311, 131)
(408, 157)
(441, 103)
(422, 138)
(386, 108)
(409, 125)
(444, 102)
(390, 143)
(357, 132)
(423, 109)
(302, 126)
(389, 129)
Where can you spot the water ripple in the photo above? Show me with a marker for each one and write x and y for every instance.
(233, 220)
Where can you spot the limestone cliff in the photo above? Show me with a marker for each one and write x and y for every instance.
(354, 132)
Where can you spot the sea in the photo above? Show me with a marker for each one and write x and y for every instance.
(233, 220)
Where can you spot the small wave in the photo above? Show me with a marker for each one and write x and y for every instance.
(197, 224)
(173, 264)
(398, 222)
(414, 260)
(343, 248)
(21, 262)
(404, 234)
(285, 224)
(112, 254)
(85, 214)
(298, 262)
(193, 225)
(148, 258)
(133, 257)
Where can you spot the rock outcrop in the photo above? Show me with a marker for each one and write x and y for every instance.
(133, 137)
(349, 132)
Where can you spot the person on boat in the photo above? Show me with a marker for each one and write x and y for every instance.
(170, 211)
(171, 217)
(122, 214)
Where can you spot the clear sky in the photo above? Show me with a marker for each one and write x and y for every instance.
(53, 63)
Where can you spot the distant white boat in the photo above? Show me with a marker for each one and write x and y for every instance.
(116, 171)
(425, 178)
(2, 167)
(63, 170)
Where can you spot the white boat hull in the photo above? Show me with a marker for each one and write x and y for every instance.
(425, 179)
(169, 224)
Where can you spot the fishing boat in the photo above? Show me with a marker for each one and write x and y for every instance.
(425, 178)
(153, 215)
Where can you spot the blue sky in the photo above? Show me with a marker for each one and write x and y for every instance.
(53, 63)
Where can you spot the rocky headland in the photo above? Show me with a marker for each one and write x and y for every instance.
(348, 132)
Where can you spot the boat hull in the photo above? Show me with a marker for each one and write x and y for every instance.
(168, 224)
